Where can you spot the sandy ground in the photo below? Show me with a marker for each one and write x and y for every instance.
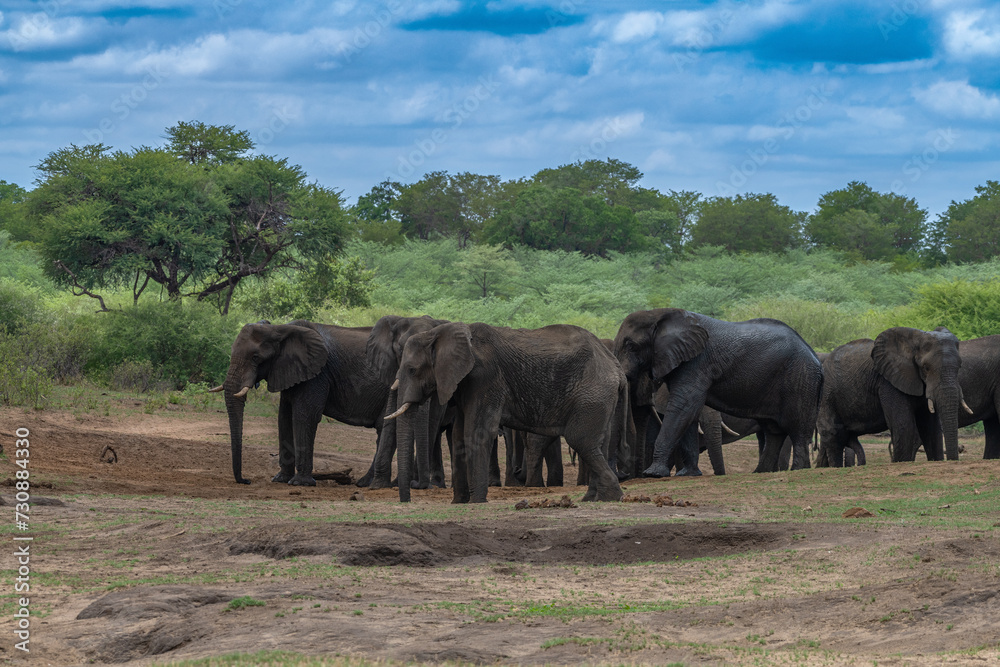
(140, 560)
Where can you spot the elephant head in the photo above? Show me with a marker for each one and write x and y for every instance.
(924, 363)
(388, 338)
(659, 340)
(283, 355)
(434, 362)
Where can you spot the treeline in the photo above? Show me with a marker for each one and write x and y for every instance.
(597, 207)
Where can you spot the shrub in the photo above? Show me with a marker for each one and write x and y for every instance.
(21, 382)
(20, 306)
(969, 309)
(137, 376)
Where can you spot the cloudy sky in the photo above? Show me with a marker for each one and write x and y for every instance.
(793, 97)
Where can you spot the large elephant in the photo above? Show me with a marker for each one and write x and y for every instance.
(760, 369)
(906, 380)
(557, 380)
(320, 370)
(421, 427)
(980, 380)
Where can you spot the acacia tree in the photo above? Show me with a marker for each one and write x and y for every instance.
(197, 228)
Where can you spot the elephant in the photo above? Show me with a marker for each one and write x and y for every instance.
(980, 380)
(526, 452)
(906, 380)
(421, 427)
(320, 370)
(557, 380)
(759, 369)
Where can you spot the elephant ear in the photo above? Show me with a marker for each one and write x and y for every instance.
(379, 349)
(893, 354)
(452, 358)
(678, 338)
(301, 357)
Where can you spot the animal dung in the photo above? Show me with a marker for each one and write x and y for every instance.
(565, 501)
(857, 513)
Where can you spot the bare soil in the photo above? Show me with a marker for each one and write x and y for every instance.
(140, 560)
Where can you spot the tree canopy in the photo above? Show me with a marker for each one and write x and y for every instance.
(971, 228)
(748, 223)
(194, 222)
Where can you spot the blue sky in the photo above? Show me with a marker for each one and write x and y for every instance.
(791, 97)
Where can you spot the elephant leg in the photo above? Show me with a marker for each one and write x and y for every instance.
(857, 450)
(533, 450)
(554, 462)
(582, 472)
(437, 460)
(931, 437)
(602, 482)
(480, 451)
(421, 441)
(689, 452)
(508, 440)
(992, 428)
(286, 441)
(785, 454)
(711, 424)
(459, 463)
(493, 469)
(380, 475)
(305, 420)
(770, 454)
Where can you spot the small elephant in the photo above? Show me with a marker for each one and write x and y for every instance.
(906, 380)
(320, 370)
(557, 380)
(421, 427)
(760, 369)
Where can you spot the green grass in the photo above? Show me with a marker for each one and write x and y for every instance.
(244, 602)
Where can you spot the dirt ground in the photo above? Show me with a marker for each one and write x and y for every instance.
(147, 559)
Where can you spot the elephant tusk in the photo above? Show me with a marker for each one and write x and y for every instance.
(701, 431)
(242, 392)
(395, 385)
(406, 406)
(215, 390)
(727, 429)
(930, 405)
(966, 407)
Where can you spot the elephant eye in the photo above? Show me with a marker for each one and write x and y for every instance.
(411, 371)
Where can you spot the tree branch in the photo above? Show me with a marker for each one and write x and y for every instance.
(80, 290)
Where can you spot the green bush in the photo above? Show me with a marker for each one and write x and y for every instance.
(185, 342)
(21, 381)
(969, 309)
(139, 376)
(20, 305)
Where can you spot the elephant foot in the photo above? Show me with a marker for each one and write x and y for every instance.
(438, 483)
(590, 496)
(282, 477)
(689, 472)
(622, 476)
(365, 480)
(379, 484)
(302, 480)
(657, 470)
(417, 484)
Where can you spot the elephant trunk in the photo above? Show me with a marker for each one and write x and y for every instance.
(234, 406)
(404, 455)
(421, 425)
(947, 398)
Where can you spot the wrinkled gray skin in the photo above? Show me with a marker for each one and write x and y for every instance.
(980, 380)
(319, 370)
(526, 452)
(557, 380)
(419, 427)
(760, 369)
(871, 386)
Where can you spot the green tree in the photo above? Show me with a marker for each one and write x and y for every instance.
(110, 219)
(836, 223)
(747, 223)
(374, 216)
(615, 181)
(428, 206)
(971, 229)
(12, 198)
(198, 143)
(489, 267)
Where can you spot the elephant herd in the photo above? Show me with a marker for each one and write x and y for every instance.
(671, 384)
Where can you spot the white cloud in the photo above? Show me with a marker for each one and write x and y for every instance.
(972, 34)
(636, 26)
(33, 32)
(958, 99)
